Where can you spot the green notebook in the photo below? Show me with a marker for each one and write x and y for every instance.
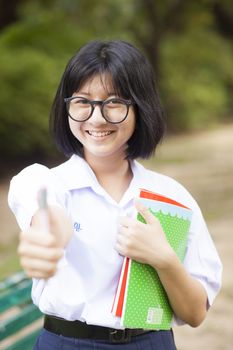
(146, 304)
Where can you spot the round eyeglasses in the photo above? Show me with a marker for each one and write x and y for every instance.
(114, 110)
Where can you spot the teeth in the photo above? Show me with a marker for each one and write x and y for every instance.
(99, 133)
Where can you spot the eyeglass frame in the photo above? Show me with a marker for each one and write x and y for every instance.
(101, 103)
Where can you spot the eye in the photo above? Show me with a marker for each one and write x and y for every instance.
(115, 103)
(83, 101)
(80, 101)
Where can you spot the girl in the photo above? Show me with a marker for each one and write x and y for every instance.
(106, 113)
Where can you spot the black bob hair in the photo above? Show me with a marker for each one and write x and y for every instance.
(132, 79)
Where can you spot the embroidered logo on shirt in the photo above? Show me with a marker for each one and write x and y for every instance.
(77, 226)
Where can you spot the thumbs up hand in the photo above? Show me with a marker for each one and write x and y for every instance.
(40, 248)
(145, 243)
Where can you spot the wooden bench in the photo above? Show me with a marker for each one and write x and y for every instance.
(20, 320)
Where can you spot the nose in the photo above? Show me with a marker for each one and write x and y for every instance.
(96, 117)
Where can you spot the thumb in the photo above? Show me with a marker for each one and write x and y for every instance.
(40, 220)
(60, 224)
(145, 212)
(52, 221)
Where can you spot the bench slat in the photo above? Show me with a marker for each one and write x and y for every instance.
(18, 313)
(27, 315)
(13, 280)
(18, 295)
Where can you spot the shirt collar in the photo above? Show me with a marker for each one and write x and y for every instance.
(75, 173)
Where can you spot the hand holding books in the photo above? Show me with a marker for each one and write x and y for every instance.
(145, 243)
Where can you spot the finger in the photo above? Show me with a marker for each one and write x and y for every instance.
(145, 212)
(38, 252)
(34, 273)
(121, 247)
(124, 221)
(37, 237)
(60, 225)
(38, 264)
(123, 231)
(43, 220)
(36, 220)
(123, 243)
(122, 237)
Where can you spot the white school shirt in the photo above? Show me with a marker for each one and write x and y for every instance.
(84, 286)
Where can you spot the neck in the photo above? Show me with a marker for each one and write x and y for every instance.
(113, 174)
(107, 165)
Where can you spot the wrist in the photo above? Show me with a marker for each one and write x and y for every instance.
(167, 262)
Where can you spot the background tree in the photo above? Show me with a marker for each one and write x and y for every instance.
(189, 44)
(223, 12)
(9, 12)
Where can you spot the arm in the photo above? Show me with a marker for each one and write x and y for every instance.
(147, 243)
(187, 296)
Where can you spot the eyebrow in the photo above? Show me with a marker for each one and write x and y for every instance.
(88, 94)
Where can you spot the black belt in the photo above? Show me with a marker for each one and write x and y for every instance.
(78, 329)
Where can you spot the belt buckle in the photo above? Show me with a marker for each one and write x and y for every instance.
(119, 336)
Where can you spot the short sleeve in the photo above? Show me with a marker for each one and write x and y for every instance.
(23, 192)
(202, 260)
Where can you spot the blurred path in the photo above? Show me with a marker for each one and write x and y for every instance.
(204, 164)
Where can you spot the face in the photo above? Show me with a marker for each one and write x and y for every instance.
(99, 137)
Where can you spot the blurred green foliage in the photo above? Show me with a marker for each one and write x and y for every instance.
(33, 56)
(196, 69)
(192, 61)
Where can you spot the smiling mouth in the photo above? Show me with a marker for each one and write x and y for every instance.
(99, 133)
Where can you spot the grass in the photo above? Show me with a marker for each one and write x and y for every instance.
(9, 259)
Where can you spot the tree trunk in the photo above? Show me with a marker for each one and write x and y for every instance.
(8, 12)
(224, 19)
